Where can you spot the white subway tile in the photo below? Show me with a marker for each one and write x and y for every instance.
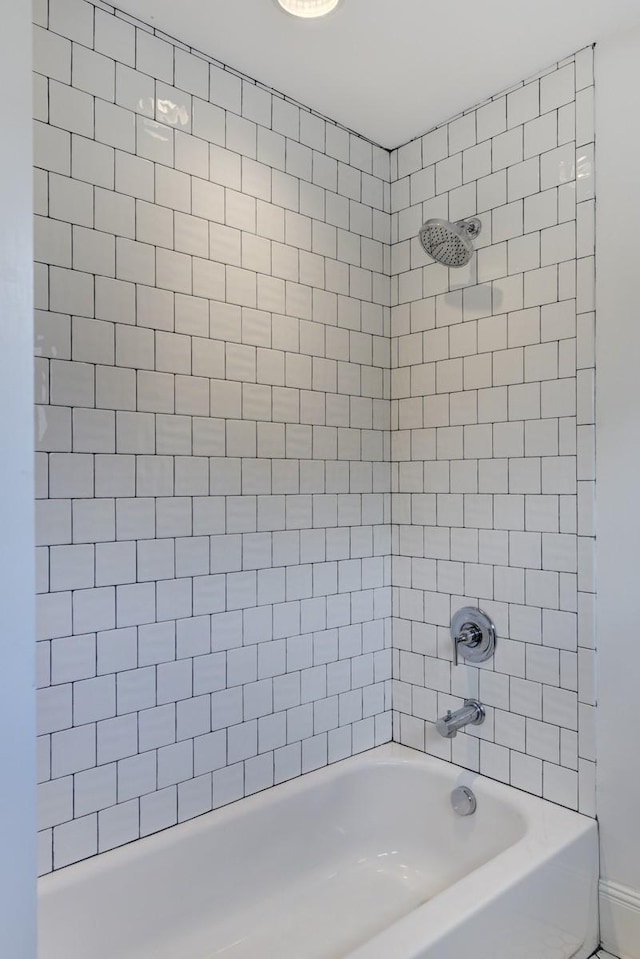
(225, 89)
(191, 73)
(115, 126)
(557, 88)
(114, 37)
(93, 73)
(557, 166)
(135, 91)
(507, 149)
(73, 19)
(523, 179)
(560, 785)
(75, 840)
(523, 104)
(51, 55)
(584, 68)
(491, 119)
(118, 825)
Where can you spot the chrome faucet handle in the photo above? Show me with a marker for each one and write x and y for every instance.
(473, 635)
(469, 636)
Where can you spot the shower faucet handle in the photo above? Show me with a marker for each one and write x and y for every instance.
(473, 635)
(470, 636)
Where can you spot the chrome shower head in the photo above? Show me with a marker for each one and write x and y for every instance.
(450, 243)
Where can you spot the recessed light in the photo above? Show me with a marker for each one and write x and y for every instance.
(308, 8)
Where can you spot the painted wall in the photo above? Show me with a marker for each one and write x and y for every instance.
(618, 433)
(17, 695)
(492, 435)
(213, 508)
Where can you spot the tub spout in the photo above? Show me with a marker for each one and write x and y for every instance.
(472, 713)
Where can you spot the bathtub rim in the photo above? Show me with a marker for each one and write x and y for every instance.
(558, 821)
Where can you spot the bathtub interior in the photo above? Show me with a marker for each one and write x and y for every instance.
(314, 868)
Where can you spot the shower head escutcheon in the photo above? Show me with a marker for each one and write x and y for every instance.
(450, 243)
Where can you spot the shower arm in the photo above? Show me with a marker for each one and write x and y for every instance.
(472, 226)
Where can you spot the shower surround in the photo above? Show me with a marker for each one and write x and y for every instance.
(215, 348)
(493, 435)
(212, 372)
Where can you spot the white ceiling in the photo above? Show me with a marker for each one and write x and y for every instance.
(389, 69)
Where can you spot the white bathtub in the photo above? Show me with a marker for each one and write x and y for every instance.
(364, 859)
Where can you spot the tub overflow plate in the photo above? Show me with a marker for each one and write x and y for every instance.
(463, 801)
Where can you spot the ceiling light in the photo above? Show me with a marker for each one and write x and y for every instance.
(308, 8)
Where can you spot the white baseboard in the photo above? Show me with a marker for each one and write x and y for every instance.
(620, 920)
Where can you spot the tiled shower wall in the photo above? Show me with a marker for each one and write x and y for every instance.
(213, 349)
(212, 341)
(493, 435)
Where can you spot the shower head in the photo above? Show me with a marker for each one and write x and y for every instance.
(450, 243)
